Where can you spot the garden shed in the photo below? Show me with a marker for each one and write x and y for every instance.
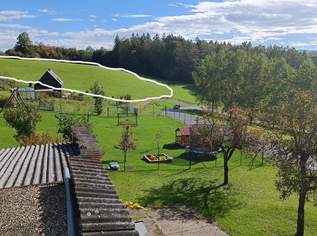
(27, 93)
(51, 79)
(182, 136)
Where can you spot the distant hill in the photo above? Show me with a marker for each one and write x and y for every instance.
(82, 77)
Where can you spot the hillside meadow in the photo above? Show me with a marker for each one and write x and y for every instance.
(82, 77)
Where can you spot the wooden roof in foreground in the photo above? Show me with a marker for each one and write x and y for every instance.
(34, 165)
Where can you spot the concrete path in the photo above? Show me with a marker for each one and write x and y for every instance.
(187, 119)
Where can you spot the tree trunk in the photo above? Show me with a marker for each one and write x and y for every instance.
(301, 211)
(225, 169)
(124, 160)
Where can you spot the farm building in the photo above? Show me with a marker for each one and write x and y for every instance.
(59, 189)
(182, 136)
(51, 79)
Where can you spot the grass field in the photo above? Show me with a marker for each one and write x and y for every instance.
(81, 77)
(182, 92)
(251, 206)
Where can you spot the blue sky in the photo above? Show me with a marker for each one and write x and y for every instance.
(83, 23)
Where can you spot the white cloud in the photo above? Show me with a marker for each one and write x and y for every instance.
(259, 21)
(14, 26)
(64, 20)
(7, 39)
(47, 11)
(179, 4)
(132, 15)
(14, 15)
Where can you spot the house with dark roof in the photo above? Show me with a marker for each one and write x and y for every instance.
(51, 79)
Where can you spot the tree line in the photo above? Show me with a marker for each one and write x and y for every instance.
(168, 57)
(276, 90)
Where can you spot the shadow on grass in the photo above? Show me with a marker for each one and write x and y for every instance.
(205, 196)
(195, 158)
(172, 146)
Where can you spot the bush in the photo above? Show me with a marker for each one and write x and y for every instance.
(22, 119)
(98, 89)
(2, 101)
(43, 138)
(67, 121)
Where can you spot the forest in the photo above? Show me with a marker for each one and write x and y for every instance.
(168, 57)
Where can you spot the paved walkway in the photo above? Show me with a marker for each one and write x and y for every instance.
(185, 118)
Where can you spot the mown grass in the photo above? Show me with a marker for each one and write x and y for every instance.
(250, 206)
(82, 77)
(182, 92)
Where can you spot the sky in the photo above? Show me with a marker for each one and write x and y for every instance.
(82, 23)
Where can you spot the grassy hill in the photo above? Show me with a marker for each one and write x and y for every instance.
(81, 77)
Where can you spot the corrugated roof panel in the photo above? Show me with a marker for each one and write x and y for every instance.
(51, 164)
(59, 170)
(27, 172)
(4, 153)
(16, 168)
(7, 168)
(64, 155)
(38, 167)
(32, 165)
(45, 164)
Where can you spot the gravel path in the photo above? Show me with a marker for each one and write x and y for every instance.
(33, 211)
(179, 221)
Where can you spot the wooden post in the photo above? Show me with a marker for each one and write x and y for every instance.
(190, 159)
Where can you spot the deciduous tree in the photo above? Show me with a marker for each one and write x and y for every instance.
(127, 143)
(98, 89)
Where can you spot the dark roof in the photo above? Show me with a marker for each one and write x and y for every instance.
(101, 212)
(55, 76)
(51, 79)
(184, 131)
(33, 165)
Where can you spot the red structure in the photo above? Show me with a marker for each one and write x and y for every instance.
(182, 136)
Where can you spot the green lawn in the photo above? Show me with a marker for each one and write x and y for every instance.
(251, 206)
(182, 92)
(81, 77)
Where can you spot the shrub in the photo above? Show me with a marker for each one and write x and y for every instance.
(67, 121)
(98, 89)
(43, 138)
(22, 119)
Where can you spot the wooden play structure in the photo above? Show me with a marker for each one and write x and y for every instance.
(182, 136)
